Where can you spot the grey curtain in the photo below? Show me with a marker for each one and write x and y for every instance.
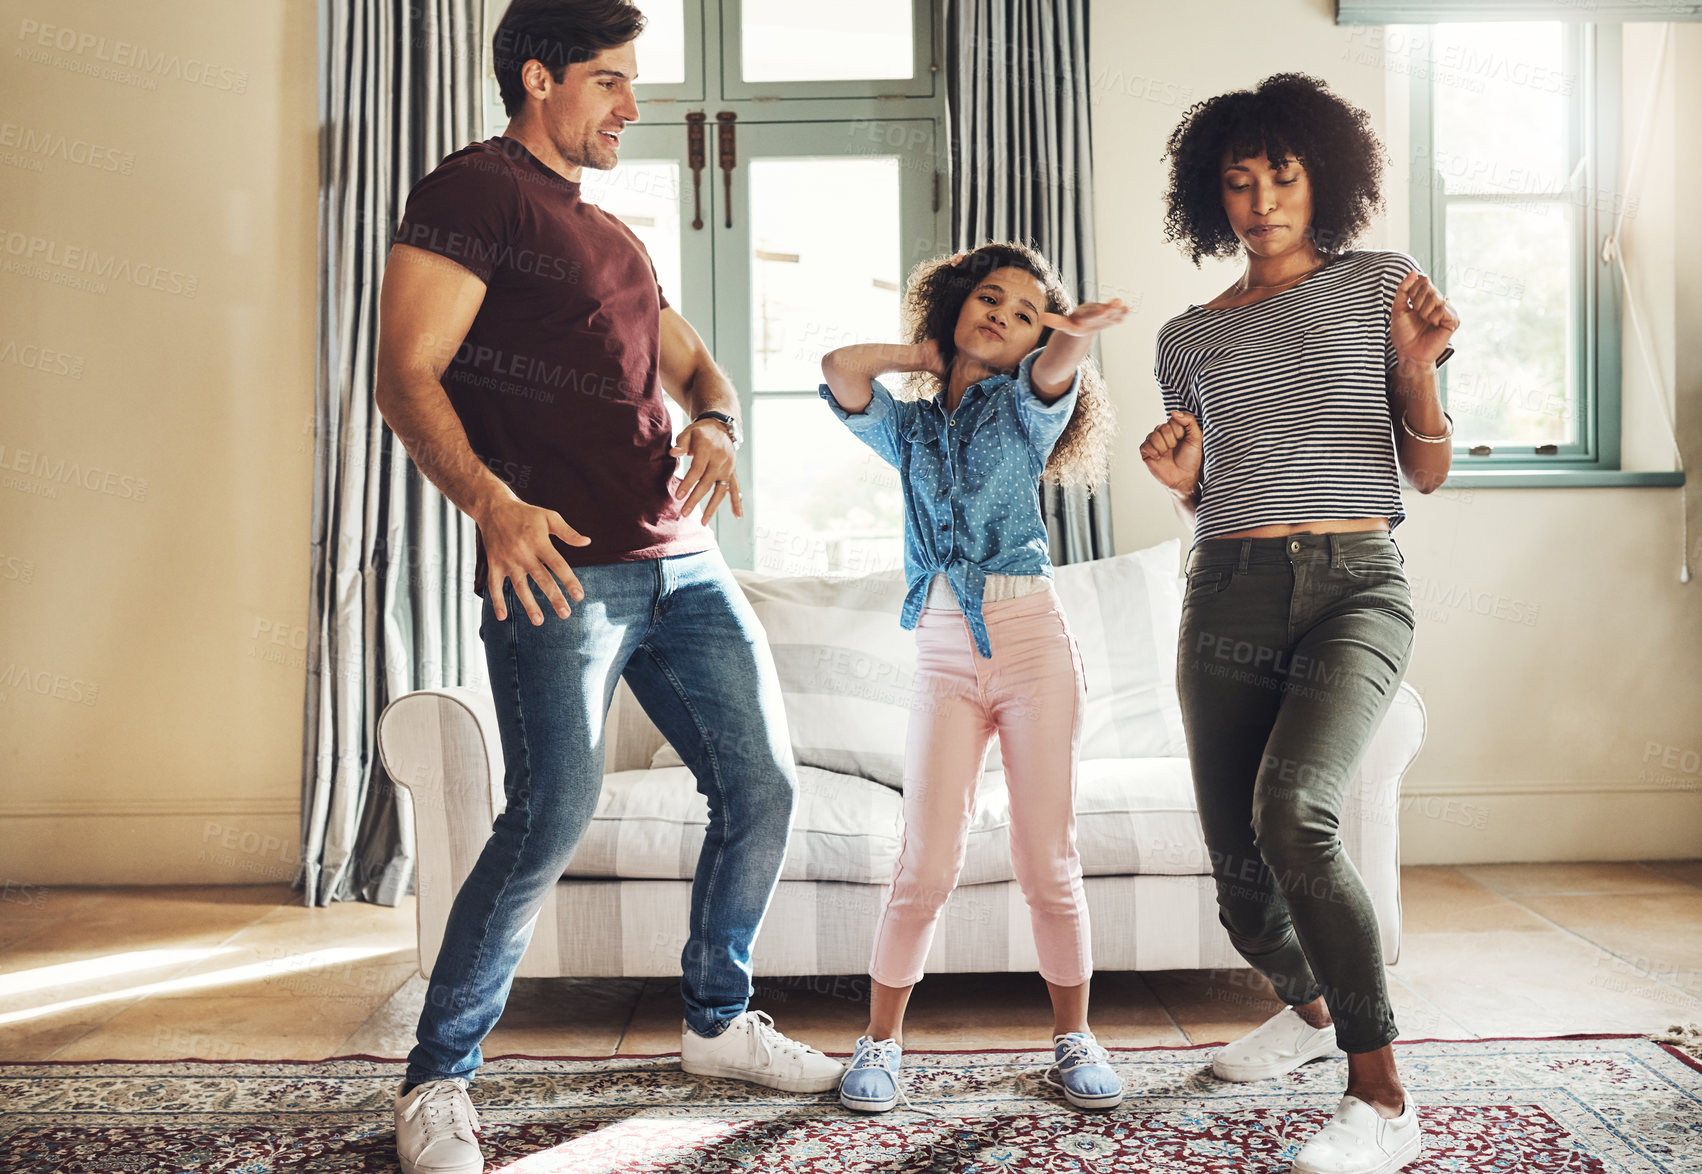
(391, 608)
(1022, 169)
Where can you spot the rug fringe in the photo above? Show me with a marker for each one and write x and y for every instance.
(1687, 1036)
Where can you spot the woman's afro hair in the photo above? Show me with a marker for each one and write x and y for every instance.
(1289, 115)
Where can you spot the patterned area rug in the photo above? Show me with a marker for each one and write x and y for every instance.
(1577, 1104)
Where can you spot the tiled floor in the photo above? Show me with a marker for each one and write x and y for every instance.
(1513, 949)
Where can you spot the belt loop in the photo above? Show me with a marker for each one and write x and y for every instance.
(1334, 541)
(1246, 552)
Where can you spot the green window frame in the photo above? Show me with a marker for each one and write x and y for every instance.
(1592, 57)
(1590, 457)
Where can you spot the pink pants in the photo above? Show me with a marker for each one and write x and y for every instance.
(1032, 693)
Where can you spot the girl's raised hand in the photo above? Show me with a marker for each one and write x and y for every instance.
(1087, 318)
(1173, 452)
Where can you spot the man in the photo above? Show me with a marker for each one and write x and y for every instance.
(524, 346)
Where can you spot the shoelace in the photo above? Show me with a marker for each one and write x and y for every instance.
(1077, 1050)
(874, 1056)
(772, 1039)
(442, 1099)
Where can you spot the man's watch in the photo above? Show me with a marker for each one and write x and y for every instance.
(726, 421)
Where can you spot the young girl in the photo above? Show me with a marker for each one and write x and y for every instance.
(1007, 398)
(1296, 398)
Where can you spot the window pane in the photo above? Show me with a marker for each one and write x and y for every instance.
(824, 501)
(645, 195)
(1503, 93)
(824, 263)
(785, 41)
(661, 47)
(1509, 276)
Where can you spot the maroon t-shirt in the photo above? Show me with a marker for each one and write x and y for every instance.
(556, 383)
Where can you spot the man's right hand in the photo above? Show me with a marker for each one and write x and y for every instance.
(518, 547)
(1173, 452)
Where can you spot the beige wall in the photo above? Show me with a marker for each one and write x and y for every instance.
(1576, 736)
(157, 464)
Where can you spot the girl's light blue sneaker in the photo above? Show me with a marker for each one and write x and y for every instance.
(870, 1083)
(1083, 1070)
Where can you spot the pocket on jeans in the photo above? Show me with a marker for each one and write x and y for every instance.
(1374, 567)
(1204, 581)
(1382, 583)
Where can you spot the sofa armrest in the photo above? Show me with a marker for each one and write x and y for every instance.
(443, 748)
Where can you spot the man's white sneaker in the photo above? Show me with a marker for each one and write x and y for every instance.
(751, 1048)
(1360, 1140)
(437, 1129)
(1281, 1044)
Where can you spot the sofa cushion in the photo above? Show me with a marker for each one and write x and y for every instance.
(845, 669)
(1132, 815)
(1126, 613)
(846, 666)
(650, 823)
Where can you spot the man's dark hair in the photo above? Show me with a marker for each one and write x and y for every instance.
(1288, 115)
(558, 33)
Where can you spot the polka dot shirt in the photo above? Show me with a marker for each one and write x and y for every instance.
(971, 482)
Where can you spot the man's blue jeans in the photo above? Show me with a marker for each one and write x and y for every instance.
(686, 640)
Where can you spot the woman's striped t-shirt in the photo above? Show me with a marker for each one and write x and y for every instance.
(1292, 399)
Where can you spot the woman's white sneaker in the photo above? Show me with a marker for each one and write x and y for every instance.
(751, 1048)
(437, 1129)
(1360, 1140)
(1281, 1044)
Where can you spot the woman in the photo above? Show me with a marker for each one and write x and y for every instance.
(1296, 397)
(1009, 397)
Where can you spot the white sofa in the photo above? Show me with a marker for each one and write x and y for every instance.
(621, 908)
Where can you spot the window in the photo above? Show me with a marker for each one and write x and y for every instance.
(1514, 185)
(795, 240)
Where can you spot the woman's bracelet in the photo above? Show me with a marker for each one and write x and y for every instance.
(1417, 435)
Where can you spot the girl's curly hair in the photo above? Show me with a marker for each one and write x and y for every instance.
(932, 301)
(1288, 115)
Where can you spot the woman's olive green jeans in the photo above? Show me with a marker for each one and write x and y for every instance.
(1291, 651)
